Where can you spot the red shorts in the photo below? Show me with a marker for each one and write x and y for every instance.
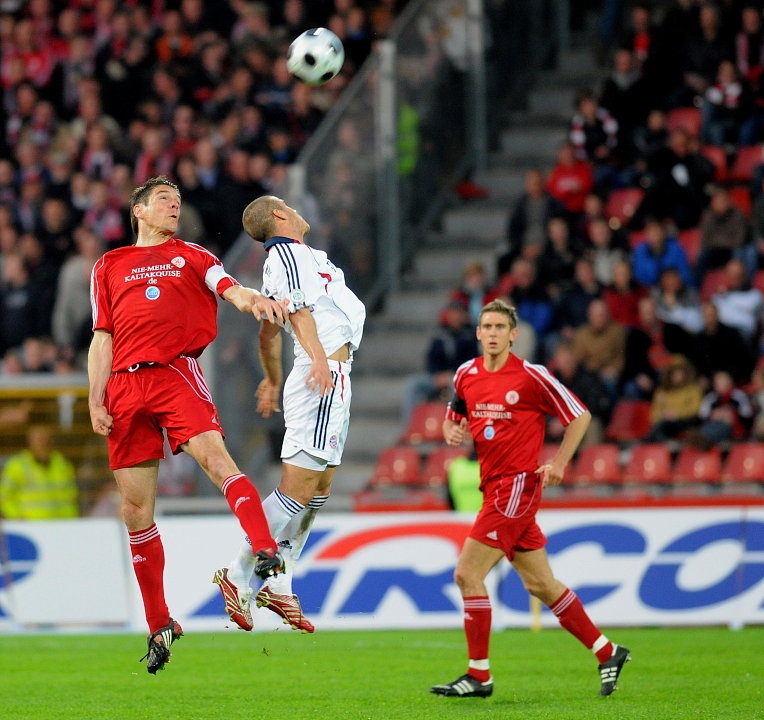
(507, 519)
(174, 397)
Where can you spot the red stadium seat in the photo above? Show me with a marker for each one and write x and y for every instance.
(630, 421)
(688, 118)
(758, 280)
(694, 466)
(425, 424)
(690, 241)
(650, 463)
(713, 282)
(741, 198)
(745, 162)
(621, 204)
(397, 465)
(718, 156)
(598, 464)
(745, 463)
(400, 499)
(437, 462)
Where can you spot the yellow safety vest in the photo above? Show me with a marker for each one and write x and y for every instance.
(464, 484)
(30, 490)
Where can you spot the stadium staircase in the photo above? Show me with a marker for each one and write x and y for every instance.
(396, 339)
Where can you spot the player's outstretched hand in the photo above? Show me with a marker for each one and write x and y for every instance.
(267, 395)
(101, 420)
(271, 310)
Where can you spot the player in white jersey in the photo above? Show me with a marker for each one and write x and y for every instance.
(326, 323)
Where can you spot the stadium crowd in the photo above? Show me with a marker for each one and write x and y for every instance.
(641, 250)
(99, 95)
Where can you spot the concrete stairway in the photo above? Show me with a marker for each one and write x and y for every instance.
(396, 340)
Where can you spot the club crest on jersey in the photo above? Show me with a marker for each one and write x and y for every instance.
(512, 397)
(152, 292)
(179, 261)
(490, 432)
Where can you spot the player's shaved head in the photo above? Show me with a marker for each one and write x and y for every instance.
(258, 220)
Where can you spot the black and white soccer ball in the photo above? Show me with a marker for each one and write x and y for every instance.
(316, 56)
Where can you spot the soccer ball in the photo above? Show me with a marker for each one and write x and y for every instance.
(316, 56)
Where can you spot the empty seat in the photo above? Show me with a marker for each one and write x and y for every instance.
(397, 465)
(747, 159)
(745, 463)
(690, 241)
(687, 118)
(436, 464)
(697, 467)
(718, 156)
(650, 463)
(630, 421)
(598, 464)
(425, 424)
(621, 205)
(400, 499)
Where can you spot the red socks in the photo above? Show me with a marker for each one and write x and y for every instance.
(572, 616)
(244, 500)
(148, 564)
(477, 628)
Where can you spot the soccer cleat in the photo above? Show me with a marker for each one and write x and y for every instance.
(159, 646)
(611, 669)
(288, 606)
(465, 686)
(269, 563)
(236, 604)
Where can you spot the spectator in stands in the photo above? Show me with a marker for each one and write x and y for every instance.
(624, 96)
(71, 312)
(740, 305)
(527, 226)
(55, 230)
(38, 483)
(556, 264)
(703, 53)
(454, 342)
(649, 140)
(603, 251)
(588, 388)
(726, 413)
(521, 288)
(676, 179)
(623, 294)
(656, 252)
(757, 394)
(749, 42)
(474, 291)
(724, 234)
(720, 347)
(600, 344)
(675, 402)
(24, 310)
(727, 105)
(677, 303)
(594, 135)
(570, 180)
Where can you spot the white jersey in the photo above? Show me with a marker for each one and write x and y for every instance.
(307, 278)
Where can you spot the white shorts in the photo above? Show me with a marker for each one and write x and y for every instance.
(316, 425)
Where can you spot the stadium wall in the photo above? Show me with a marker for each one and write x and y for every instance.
(631, 566)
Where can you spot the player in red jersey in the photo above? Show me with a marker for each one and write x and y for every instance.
(503, 401)
(154, 311)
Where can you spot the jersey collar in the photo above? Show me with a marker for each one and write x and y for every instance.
(276, 241)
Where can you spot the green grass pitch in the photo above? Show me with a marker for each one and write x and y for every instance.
(692, 673)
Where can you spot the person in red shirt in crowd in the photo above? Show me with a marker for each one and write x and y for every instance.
(570, 180)
(154, 312)
(502, 402)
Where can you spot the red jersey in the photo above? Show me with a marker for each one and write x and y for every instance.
(507, 410)
(157, 302)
